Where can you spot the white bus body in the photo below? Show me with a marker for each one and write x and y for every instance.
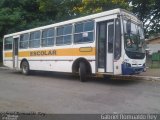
(94, 44)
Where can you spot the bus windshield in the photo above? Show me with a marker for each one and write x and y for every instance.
(134, 40)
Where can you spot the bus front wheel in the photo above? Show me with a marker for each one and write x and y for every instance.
(82, 72)
(25, 68)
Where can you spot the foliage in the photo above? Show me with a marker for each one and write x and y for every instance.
(149, 12)
(18, 15)
(94, 6)
(58, 10)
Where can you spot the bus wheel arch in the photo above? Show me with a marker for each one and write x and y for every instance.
(25, 68)
(76, 66)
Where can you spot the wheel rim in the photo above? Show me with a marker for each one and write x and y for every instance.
(24, 68)
(79, 73)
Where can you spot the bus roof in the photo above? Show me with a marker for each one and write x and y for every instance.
(85, 18)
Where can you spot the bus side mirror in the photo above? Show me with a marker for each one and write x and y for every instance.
(128, 26)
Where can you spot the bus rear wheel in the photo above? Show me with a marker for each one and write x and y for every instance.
(82, 72)
(25, 68)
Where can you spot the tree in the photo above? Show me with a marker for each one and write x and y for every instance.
(9, 17)
(58, 10)
(94, 6)
(18, 15)
(149, 12)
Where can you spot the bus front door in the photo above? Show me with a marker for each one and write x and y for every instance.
(15, 52)
(109, 51)
(105, 37)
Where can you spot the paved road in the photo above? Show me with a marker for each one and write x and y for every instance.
(58, 93)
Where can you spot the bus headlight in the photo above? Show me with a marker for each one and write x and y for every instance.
(127, 64)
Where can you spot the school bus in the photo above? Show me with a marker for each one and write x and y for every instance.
(106, 43)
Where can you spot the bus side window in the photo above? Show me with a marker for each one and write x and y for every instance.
(117, 47)
(64, 35)
(34, 41)
(24, 39)
(48, 37)
(8, 43)
(84, 32)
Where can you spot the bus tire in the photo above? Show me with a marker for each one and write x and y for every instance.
(25, 68)
(82, 72)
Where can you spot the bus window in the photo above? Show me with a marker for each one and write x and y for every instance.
(117, 45)
(34, 41)
(48, 37)
(79, 27)
(8, 43)
(101, 44)
(84, 32)
(110, 38)
(64, 35)
(24, 39)
(89, 26)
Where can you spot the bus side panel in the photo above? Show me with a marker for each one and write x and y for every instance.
(87, 51)
(117, 67)
(93, 67)
(53, 65)
(60, 65)
(91, 61)
(8, 59)
(8, 63)
(57, 63)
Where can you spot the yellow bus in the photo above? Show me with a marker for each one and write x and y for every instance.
(106, 43)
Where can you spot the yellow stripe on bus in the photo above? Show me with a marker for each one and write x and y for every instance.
(56, 52)
(8, 54)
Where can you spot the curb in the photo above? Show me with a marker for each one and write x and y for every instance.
(149, 78)
(136, 77)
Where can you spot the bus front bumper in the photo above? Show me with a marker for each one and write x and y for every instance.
(127, 70)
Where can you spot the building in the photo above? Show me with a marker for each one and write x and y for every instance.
(153, 44)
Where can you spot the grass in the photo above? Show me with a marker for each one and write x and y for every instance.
(154, 65)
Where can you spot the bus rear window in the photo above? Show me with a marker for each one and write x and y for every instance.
(8, 43)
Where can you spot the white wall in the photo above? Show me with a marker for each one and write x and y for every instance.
(153, 48)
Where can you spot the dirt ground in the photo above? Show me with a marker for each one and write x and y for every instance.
(49, 92)
(151, 72)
